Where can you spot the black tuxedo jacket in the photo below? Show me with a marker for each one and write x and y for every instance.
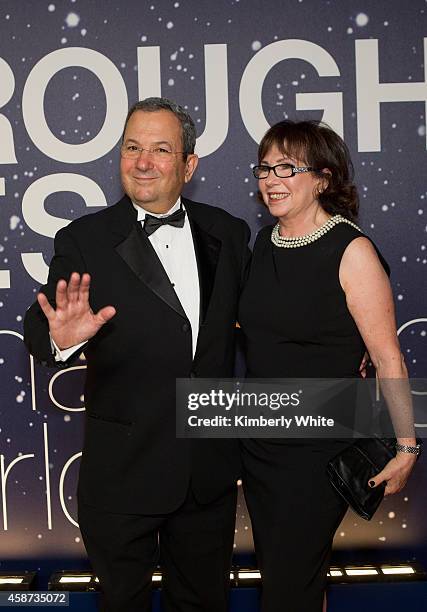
(132, 461)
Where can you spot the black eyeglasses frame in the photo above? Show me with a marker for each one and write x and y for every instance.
(294, 170)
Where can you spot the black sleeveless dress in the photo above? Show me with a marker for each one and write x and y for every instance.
(296, 323)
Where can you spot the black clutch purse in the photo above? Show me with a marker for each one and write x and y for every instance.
(350, 471)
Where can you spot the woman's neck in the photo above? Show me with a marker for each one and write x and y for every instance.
(303, 222)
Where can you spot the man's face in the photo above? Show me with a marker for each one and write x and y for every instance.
(155, 184)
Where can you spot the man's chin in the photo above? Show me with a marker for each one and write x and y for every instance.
(143, 199)
(153, 206)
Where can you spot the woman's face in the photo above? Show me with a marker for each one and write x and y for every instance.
(286, 197)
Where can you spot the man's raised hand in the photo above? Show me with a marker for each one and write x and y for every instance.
(73, 321)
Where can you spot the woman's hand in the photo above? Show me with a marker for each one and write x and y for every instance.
(395, 473)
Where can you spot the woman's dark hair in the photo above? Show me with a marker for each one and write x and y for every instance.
(317, 145)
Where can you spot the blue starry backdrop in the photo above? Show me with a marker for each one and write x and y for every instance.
(69, 69)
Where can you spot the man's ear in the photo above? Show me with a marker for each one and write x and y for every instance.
(190, 166)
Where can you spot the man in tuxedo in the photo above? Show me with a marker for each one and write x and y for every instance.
(148, 289)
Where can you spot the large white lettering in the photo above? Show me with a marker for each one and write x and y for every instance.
(45, 224)
(61, 488)
(4, 274)
(7, 80)
(52, 382)
(370, 93)
(15, 334)
(399, 331)
(4, 474)
(33, 105)
(216, 91)
(250, 96)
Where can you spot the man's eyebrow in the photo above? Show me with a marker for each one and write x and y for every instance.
(162, 142)
(156, 142)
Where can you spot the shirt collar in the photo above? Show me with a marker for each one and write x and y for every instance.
(142, 212)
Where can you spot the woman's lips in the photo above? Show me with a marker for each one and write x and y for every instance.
(277, 197)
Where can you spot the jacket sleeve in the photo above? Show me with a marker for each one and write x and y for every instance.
(246, 254)
(67, 259)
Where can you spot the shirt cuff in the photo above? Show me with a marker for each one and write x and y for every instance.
(63, 355)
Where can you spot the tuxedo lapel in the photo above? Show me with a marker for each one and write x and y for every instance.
(138, 253)
(207, 248)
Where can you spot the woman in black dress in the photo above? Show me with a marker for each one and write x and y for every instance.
(316, 298)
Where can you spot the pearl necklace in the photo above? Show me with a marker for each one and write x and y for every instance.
(299, 241)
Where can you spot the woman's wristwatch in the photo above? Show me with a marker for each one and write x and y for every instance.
(414, 450)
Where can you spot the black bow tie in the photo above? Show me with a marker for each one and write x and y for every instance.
(151, 224)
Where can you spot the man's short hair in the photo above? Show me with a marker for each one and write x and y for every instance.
(188, 129)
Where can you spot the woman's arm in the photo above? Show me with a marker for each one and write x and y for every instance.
(370, 302)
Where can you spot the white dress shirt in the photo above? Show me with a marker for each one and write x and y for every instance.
(175, 249)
